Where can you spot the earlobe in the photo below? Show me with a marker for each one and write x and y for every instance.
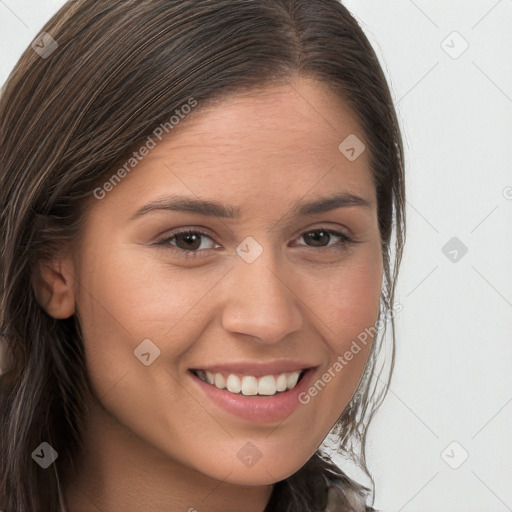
(54, 287)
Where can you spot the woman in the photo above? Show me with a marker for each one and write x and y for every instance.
(197, 200)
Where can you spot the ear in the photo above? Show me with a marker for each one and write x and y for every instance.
(54, 286)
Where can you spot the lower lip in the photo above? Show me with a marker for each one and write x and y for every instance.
(258, 409)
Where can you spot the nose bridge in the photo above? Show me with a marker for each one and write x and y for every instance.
(260, 302)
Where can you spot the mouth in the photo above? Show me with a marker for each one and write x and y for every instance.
(250, 385)
(261, 393)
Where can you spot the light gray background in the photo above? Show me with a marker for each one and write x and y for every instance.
(452, 381)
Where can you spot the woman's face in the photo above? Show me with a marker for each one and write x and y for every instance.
(262, 289)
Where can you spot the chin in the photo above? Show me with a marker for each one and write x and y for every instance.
(272, 467)
(252, 477)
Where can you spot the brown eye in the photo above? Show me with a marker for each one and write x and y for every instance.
(317, 238)
(321, 237)
(187, 242)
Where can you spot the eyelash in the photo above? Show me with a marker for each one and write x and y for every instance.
(338, 246)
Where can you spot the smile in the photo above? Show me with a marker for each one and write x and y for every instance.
(255, 391)
(249, 385)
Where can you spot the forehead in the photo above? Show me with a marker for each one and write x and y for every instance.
(256, 147)
(302, 115)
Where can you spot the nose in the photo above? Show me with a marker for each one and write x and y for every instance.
(261, 301)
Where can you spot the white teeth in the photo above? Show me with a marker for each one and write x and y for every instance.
(292, 380)
(267, 385)
(220, 381)
(233, 384)
(249, 385)
(281, 382)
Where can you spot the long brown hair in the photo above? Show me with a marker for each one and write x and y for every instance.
(121, 68)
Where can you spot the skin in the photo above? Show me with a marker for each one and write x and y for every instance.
(153, 441)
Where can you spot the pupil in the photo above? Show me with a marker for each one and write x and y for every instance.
(187, 237)
(317, 236)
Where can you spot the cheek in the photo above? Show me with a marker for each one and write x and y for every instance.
(359, 295)
(348, 308)
(348, 300)
(127, 297)
(132, 297)
(355, 315)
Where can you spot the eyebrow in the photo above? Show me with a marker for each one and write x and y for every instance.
(215, 209)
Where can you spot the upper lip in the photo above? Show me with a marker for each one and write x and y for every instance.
(257, 369)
